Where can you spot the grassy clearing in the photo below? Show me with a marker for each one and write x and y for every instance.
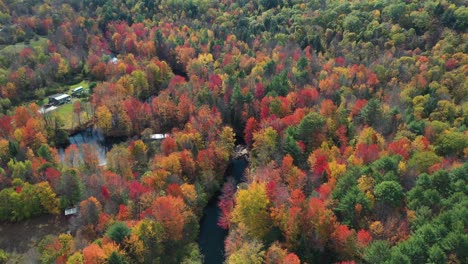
(16, 48)
(65, 109)
(41, 41)
(65, 112)
(70, 122)
(83, 83)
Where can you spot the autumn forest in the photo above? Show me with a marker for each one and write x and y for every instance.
(353, 116)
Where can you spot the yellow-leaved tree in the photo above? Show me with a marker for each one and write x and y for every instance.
(251, 210)
(104, 119)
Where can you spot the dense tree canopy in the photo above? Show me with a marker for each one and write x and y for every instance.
(354, 113)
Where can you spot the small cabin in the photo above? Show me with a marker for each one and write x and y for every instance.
(158, 136)
(71, 211)
(78, 91)
(58, 99)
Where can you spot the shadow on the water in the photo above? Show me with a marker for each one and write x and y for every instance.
(94, 137)
(211, 238)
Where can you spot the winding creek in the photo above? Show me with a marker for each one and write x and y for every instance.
(211, 237)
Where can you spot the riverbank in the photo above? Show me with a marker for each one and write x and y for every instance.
(211, 237)
(78, 129)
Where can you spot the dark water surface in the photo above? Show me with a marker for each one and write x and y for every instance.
(91, 136)
(211, 239)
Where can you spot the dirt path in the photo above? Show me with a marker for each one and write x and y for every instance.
(20, 239)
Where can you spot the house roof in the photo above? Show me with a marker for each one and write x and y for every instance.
(159, 136)
(71, 211)
(59, 96)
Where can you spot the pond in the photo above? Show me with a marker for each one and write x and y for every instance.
(92, 137)
(211, 238)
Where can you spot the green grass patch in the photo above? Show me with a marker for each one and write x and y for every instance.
(65, 109)
(83, 83)
(16, 48)
(65, 112)
(40, 42)
(13, 49)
